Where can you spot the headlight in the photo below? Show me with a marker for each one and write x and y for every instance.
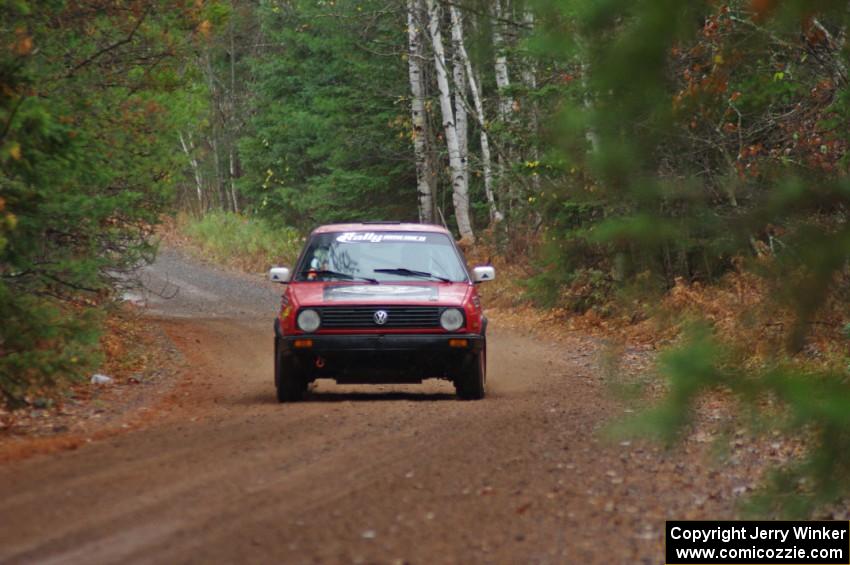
(451, 319)
(309, 321)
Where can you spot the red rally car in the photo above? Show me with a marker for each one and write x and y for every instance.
(373, 303)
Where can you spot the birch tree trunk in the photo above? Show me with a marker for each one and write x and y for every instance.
(590, 135)
(460, 194)
(503, 80)
(213, 141)
(486, 159)
(460, 84)
(503, 83)
(233, 168)
(424, 174)
(189, 150)
(529, 78)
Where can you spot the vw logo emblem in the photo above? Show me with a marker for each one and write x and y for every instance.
(381, 317)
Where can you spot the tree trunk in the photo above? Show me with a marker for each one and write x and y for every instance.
(590, 135)
(189, 150)
(233, 158)
(529, 78)
(214, 131)
(460, 84)
(424, 174)
(460, 194)
(213, 141)
(503, 81)
(234, 169)
(486, 159)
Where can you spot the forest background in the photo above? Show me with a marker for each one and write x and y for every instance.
(680, 166)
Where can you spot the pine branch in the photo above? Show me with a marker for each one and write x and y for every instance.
(111, 47)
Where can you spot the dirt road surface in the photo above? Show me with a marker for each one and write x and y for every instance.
(395, 474)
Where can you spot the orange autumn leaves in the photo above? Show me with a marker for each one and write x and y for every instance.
(22, 44)
(740, 100)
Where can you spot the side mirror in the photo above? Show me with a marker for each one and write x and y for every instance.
(280, 274)
(483, 274)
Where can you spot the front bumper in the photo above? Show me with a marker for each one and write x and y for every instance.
(381, 358)
(324, 344)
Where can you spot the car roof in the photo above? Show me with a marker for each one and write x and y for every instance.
(381, 226)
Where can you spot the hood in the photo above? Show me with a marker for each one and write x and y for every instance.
(318, 293)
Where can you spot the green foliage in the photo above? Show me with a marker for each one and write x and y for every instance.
(697, 116)
(86, 150)
(52, 345)
(718, 138)
(329, 135)
(573, 268)
(248, 242)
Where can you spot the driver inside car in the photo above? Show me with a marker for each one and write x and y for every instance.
(319, 262)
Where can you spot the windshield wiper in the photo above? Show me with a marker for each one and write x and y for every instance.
(327, 273)
(404, 272)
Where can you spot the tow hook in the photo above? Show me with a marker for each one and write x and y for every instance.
(320, 362)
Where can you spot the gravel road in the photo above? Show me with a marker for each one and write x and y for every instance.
(401, 474)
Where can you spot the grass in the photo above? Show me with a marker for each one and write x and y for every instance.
(246, 243)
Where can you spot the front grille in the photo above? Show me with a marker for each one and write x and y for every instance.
(363, 317)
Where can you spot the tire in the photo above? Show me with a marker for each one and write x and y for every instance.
(470, 385)
(289, 379)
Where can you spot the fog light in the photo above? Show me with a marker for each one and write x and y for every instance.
(458, 343)
(303, 343)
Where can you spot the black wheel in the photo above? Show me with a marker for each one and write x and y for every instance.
(288, 377)
(470, 384)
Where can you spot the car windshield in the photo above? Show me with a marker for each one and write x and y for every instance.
(381, 256)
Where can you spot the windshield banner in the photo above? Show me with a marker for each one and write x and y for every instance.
(372, 237)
